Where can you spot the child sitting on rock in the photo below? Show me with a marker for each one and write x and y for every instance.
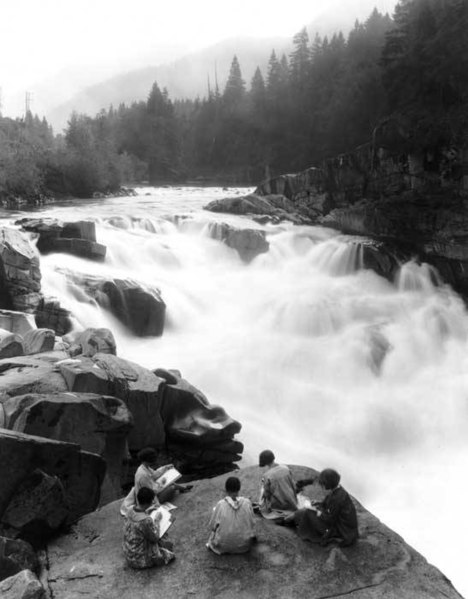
(142, 545)
(232, 522)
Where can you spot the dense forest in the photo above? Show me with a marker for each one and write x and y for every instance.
(327, 97)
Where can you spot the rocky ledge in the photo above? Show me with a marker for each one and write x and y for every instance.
(89, 561)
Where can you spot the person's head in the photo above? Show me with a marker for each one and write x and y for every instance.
(145, 497)
(329, 479)
(147, 455)
(266, 458)
(232, 485)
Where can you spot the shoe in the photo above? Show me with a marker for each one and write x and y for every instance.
(186, 489)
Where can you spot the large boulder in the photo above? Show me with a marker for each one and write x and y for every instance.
(78, 238)
(20, 276)
(16, 555)
(275, 206)
(49, 314)
(97, 423)
(380, 566)
(199, 434)
(93, 341)
(32, 374)
(11, 344)
(139, 308)
(248, 242)
(138, 387)
(23, 585)
(23, 456)
(37, 510)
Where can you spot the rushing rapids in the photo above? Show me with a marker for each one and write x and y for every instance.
(321, 360)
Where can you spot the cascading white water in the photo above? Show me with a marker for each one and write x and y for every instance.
(323, 362)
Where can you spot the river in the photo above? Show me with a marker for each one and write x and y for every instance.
(287, 345)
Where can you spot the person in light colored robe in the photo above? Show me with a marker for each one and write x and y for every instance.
(232, 522)
(278, 497)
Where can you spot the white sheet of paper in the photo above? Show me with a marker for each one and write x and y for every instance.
(165, 521)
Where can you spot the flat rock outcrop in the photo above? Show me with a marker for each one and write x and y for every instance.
(89, 560)
(77, 238)
(274, 205)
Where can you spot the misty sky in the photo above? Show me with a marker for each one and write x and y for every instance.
(85, 41)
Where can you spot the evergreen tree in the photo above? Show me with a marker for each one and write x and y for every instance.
(235, 86)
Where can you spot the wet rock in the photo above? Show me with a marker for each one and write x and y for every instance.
(50, 315)
(16, 555)
(20, 277)
(381, 565)
(139, 308)
(249, 243)
(77, 238)
(23, 585)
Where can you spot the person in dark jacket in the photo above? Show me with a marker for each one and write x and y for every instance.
(333, 519)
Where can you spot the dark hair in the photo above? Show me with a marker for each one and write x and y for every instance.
(266, 458)
(148, 454)
(233, 484)
(145, 496)
(329, 478)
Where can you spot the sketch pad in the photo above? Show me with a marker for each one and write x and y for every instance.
(168, 478)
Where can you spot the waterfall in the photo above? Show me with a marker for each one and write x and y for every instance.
(322, 361)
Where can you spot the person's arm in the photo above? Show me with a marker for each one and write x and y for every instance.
(162, 470)
(331, 509)
(151, 528)
(214, 519)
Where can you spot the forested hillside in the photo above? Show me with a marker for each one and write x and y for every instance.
(327, 97)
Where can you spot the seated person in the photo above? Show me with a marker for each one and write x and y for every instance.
(278, 493)
(232, 522)
(147, 476)
(333, 519)
(141, 545)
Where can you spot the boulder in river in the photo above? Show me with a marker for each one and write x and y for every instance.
(78, 238)
(20, 276)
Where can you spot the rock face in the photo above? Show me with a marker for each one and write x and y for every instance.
(168, 413)
(249, 243)
(89, 561)
(140, 309)
(20, 277)
(432, 228)
(97, 423)
(23, 585)
(29, 466)
(50, 315)
(16, 555)
(78, 238)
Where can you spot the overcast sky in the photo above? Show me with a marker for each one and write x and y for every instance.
(94, 39)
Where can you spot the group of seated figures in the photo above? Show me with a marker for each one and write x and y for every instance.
(232, 522)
